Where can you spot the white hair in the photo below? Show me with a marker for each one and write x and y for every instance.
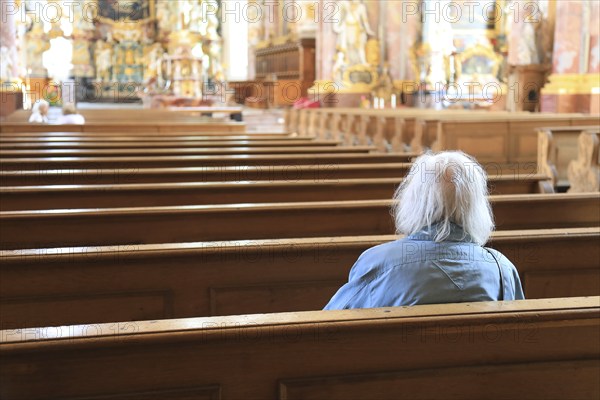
(39, 104)
(444, 188)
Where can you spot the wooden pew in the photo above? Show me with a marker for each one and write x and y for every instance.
(171, 114)
(409, 129)
(290, 173)
(131, 127)
(92, 284)
(125, 136)
(176, 144)
(199, 193)
(584, 172)
(557, 147)
(28, 164)
(503, 139)
(387, 129)
(98, 227)
(199, 151)
(522, 349)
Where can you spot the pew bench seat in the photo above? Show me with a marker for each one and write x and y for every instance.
(495, 350)
(75, 144)
(199, 193)
(93, 284)
(182, 151)
(45, 163)
(145, 225)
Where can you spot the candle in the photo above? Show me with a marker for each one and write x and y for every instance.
(393, 101)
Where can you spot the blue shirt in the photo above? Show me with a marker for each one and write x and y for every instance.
(417, 270)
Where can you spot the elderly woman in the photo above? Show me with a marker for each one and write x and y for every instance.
(443, 209)
(70, 115)
(39, 112)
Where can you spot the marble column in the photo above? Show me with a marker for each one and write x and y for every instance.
(574, 85)
(402, 31)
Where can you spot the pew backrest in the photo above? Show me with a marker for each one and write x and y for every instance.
(92, 284)
(523, 349)
(584, 172)
(557, 147)
(239, 191)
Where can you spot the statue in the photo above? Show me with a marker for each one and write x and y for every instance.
(166, 14)
(37, 43)
(338, 67)
(215, 68)
(197, 22)
(6, 64)
(385, 87)
(212, 25)
(103, 56)
(152, 56)
(353, 30)
(527, 46)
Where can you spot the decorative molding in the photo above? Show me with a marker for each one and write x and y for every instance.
(572, 84)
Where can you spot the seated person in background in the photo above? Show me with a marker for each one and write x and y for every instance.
(443, 208)
(70, 115)
(39, 112)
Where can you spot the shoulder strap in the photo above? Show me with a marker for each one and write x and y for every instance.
(502, 293)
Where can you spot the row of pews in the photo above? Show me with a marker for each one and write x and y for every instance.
(571, 157)
(506, 142)
(128, 273)
(158, 121)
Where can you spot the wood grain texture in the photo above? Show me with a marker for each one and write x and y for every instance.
(584, 172)
(253, 276)
(540, 347)
(238, 191)
(168, 224)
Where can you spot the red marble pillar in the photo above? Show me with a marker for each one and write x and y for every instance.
(575, 81)
(402, 31)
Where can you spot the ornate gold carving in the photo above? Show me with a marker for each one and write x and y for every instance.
(359, 78)
(478, 62)
(572, 84)
(373, 58)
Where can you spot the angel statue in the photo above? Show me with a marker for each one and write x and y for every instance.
(103, 56)
(353, 30)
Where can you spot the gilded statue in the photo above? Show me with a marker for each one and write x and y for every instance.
(339, 67)
(167, 14)
(6, 64)
(385, 86)
(353, 30)
(212, 25)
(152, 56)
(103, 56)
(37, 43)
(82, 58)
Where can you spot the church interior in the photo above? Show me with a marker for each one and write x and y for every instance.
(209, 199)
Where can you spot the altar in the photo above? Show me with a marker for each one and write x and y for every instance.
(148, 49)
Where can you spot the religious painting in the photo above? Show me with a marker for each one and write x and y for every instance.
(133, 10)
(473, 22)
